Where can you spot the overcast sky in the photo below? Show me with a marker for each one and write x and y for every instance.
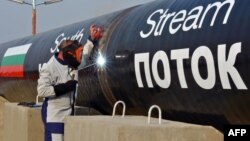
(15, 19)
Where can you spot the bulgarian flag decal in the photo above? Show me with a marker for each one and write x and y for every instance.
(13, 61)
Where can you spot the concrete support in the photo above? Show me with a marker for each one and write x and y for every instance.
(22, 123)
(2, 102)
(135, 128)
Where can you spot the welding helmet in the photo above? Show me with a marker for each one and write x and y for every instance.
(72, 53)
(95, 32)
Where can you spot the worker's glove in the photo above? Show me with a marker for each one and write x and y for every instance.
(95, 33)
(63, 88)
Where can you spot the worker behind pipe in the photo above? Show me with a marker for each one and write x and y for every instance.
(57, 84)
(91, 50)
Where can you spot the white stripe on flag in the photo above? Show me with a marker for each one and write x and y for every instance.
(23, 49)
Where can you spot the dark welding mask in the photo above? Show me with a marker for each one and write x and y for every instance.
(72, 54)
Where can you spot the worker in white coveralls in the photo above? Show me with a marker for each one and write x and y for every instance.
(57, 83)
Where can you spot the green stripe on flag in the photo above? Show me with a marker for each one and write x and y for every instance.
(13, 60)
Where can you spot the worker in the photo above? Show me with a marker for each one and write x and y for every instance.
(91, 49)
(57, 83)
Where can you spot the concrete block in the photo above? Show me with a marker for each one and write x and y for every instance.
(22, 123)
(2, 101)
(135, 128)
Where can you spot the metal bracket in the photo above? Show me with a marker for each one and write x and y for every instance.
(114, 108)
(150, 110)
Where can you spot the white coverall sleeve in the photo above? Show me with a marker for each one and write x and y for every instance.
(88, 47)
(45, 85)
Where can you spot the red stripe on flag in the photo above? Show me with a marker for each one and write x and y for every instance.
(11, 71)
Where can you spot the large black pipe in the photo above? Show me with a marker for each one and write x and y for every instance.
(188, 57)
(208, 39)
